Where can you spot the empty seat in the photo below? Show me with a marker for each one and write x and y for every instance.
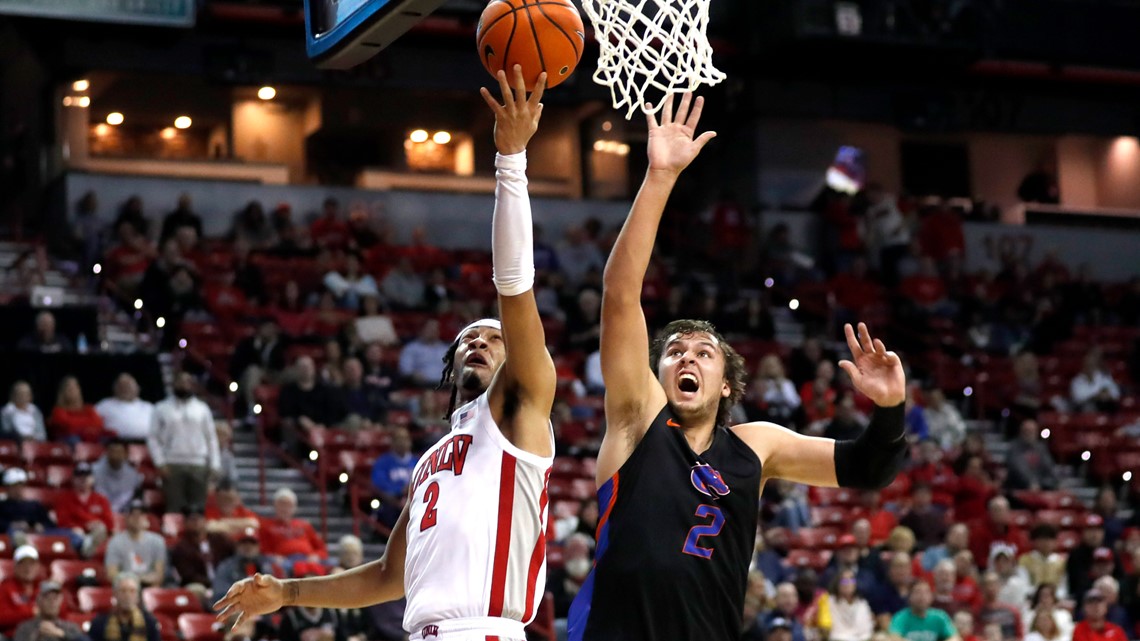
(200, 627)
(814, 559)
(96, 600)
(39, 453)
(52, 547)
(70, 573)
(88, 452)
(171, 602)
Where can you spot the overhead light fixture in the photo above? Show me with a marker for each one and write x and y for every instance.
(68, 101)
(83, 101)
(607, 125)
(441, 138)
(81, 85)
(418, 136)
(266, 93)
(168, 133)
(102, 129)
(114, 118)
(183, 122)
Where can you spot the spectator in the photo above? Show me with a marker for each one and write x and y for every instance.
(1096, 626)
(287, 539)
(1078, 567)
(1015, 587)
(126, 621)
(818, 396)
(888, 235)
(791, 509)
(373, 326)
(927, 291)
(855, 290)
(1030, 464)
(227, 515)
(919, 621)
(930, 470)
(45, 339)
(943, 420)
(182, 216)
(329, 230)
(1045, 598)
(248, 277)
(804, 361)
(20, 419)
(997, 527)
(1044, 626)
(198, 553)
(332, 373)
(1106, 507)
(183, 444)
(115, 477)
(915, 417)
(18, 592)
(1093, 389)
(565, 582)
(944, 588)
(246, 561)
(310, 624)
(957, 540)
(784, 614)
(47, 625)
(870, 508)
(124, 413)
(770, 559)
(941, 234)
(87, 513)
(851, 618)
(994, 611)
(847, 559)
(1110, 588)
(126, 263)
(225, 300)
(403, 287)
(291, 313)
(421, 360)
(258, 359)
(390, 476)
(964, 623)
(1043, 565)
(926, 520)
(131, 211)
(891, 596)
(771, 396)
(438, 296)
(352, 285)
(377, 371)
(577, 257)
(251, 227)
(306, 404)
(72, 420)
(583, 323)
(19, 515)
(229, 470)
(974, 491)
(365, 232)
(848, 423)
(136, 549)
(349, 552)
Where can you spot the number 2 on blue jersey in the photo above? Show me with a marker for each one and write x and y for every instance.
(708, 529)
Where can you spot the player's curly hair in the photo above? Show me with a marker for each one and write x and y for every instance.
(735, 371)
(448, 376)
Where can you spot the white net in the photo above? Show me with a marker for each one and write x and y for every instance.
(654, 47)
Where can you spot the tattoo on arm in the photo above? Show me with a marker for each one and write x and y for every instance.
(292, 592)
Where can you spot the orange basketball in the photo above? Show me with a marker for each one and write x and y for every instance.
(539, 35)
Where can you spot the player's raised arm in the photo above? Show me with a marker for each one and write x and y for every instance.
(632, 390)
(376, 582)
(528, 373)
(870, 461)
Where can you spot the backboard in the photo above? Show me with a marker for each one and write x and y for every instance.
(343, 33)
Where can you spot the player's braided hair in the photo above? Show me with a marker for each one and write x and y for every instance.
(735, 371)
(448, 376)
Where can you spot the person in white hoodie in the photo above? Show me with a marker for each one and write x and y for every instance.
(21, 419)
(851, 617)
(125, 413)
(183, 444)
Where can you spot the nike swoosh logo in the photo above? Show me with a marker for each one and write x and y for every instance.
(671, 423)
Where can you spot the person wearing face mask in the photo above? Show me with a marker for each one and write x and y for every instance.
(183, 444)
(565, 582)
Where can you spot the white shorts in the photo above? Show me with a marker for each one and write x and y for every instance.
(473, 629)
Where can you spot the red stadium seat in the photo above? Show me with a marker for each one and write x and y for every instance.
(555, 557)
(566, 467)
(816, 538)
(88, 452)
(375, 441)
(1046, 499)
(52, 547)
(814, 559)
(138, 455)
(1061, 519)
(171, 602)
(1067, 540)
(154, 500)
(167, 627)
(834, 516)
(40, 453)
(582, 489)
(1021, 518)
(561, 489)
(200, 627)
(564, 509)
(59, 475)
(6, 547)
(69, 573)
(81, 619)
(826, 496)
(45, 495)
(9, 453)
(95, 599)
(172, 525)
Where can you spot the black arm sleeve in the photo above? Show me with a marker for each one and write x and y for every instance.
(872, 460)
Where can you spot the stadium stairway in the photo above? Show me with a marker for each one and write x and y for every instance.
(1071, 479)
(278, 475)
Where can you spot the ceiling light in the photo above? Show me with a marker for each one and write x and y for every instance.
(81, 85)
(83, 101)
(114, 118)
(102, 130)
(441, 138)
(183, 122)
(168, 133)
(67, 101)
(266, 93)
(419, 135)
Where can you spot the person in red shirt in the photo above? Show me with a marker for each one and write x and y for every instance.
(854, 290)
(996, 527)
(284, 538)
(1095, 626)
(127, 262)
(87, 513)
(882, 521)
(930, 470)
(941, 234)
(72, 420)
(226, 514)
(926, 289)
(818, 395)
(329, 230)
(18, 593)
(975, 489)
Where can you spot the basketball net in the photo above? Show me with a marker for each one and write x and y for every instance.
(659, 44)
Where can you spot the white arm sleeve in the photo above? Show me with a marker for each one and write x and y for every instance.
(512, 233)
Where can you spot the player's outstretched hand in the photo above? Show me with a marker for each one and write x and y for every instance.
(874, 371)
(517, 119)
(257, 595)
(671, 143)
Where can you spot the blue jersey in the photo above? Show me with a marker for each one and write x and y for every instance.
(675, 537)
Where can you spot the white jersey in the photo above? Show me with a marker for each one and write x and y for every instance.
(476, 527)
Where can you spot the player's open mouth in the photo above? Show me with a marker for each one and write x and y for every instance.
(688, 383)
(476, 360)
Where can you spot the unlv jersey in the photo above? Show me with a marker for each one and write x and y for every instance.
(476, 527)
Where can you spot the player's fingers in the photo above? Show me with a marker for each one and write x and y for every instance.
(682, 115)
(852, 343)
(520, 88)
(539, 89)
(490, 100)
(505, 87)
(879, 347)
(894, 359)
(695, 114)
(704, 139)
(667, 111)
(240, 616)
(650, 117)
(851, 370)
(865, 339)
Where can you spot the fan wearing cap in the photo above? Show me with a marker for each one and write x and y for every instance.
(246, 561)
(18, 514)
(1096, 626)
(84, 511)
(47, 625)
(18, 592)
(1015, 588)
(469, 547)
(1079, 566)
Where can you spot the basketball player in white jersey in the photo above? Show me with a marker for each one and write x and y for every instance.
(469, 548)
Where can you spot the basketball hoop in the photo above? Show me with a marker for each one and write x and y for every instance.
(658, 44)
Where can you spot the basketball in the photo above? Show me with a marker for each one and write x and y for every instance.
(539, 35)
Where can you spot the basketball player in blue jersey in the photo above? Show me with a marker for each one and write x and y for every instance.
(679, 489)
(469, 548)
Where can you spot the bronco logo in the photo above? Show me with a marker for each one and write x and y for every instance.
(708, 481)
